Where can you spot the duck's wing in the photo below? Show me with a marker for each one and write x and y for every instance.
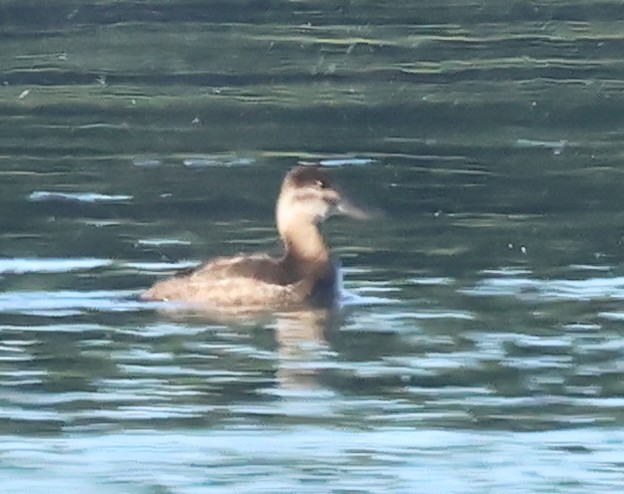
(244, 280)
(258, 267)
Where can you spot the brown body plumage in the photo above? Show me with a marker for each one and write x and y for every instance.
(304, 275)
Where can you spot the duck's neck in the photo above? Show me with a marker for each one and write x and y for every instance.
(304, 243)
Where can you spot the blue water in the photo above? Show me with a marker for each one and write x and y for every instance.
(316, 459)
(479, 346)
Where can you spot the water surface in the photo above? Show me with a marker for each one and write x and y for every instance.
(480, 346)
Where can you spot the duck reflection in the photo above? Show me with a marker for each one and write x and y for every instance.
(299, 338)
(302, 346)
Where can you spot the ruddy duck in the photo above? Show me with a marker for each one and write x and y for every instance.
(304, 275)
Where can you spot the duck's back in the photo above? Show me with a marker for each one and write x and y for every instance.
(257, 280)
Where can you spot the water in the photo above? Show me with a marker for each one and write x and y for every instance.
(479, 349)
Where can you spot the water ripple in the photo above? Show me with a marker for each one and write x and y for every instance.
(315, 459)
(86, 197)
(68, 302)
(548, 290)
(33, 265)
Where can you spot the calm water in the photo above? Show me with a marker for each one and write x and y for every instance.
(480, 347)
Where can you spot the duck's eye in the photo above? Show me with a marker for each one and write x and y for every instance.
(321, 184)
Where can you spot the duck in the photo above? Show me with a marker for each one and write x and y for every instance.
(305, 275)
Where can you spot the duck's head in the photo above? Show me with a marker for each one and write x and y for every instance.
(308, 195)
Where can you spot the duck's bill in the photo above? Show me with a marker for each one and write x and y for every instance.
(352, 210)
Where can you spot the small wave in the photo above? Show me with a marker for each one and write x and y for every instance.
(209, 161)
(200, 162)
(67, 302)
(554, 289)
(88, 197)
(158, 242)
(26, 265)
(557, 147)
(612, 316)
(347, 162)
(161, 266)
(511, 272)
(351, 299)
(146, 162)
(432, 281)
(438, 314)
